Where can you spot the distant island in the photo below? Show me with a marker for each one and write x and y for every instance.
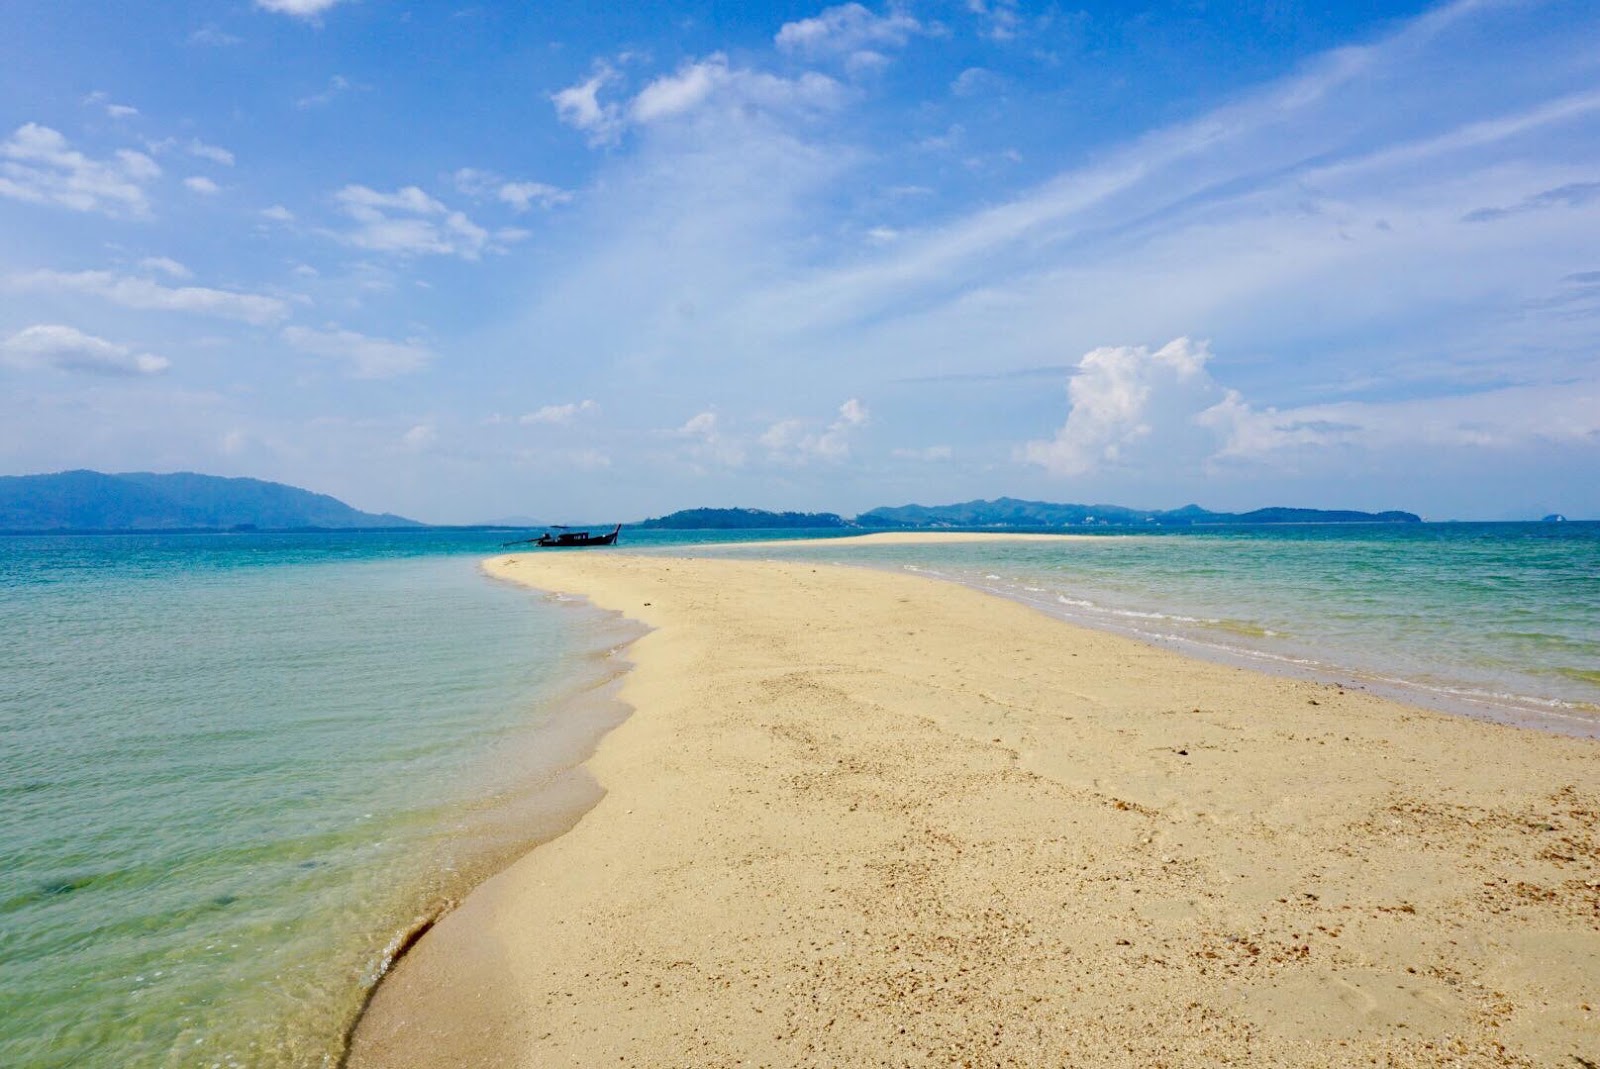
(144, 501)
(1008, 512)
(1011, 512)
(738, 519)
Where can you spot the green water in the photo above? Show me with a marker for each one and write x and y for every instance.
(234, 772)
(1495, 620)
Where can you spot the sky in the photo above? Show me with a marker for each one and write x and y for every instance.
(470, 261)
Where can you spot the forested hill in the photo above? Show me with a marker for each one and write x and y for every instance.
(92, 500)
(739, 519)
(1011, 512)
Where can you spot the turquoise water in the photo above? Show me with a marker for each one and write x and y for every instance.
(235, 768)
(1496, 620)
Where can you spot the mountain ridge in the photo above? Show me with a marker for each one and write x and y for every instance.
(1008, 512)
(84, 500)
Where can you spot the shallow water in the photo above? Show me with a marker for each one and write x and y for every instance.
(1497, 620)
(235, 768)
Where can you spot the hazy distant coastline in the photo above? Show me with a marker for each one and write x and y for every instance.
(90, 501)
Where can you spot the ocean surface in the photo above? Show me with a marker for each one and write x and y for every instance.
(236, 768)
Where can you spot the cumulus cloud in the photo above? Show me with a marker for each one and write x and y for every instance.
(278, 214)
(558, 414)
(520, 195)
(689, 89)
(794, 441)
(674, 94)
(1119, 397)
(1496, 419)
(38, 165)
(1141, 412)
(708, 443)
(214, 153)
(302, 9)
(420, 437)
(146, 295)
(846, 30)
(365, 357)
(579, 106)
(166, 266)
(68, 349)
(999, 17)
(410, 222)
(202, 185)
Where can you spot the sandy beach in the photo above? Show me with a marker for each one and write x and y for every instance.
(861, 818)
(910, 538)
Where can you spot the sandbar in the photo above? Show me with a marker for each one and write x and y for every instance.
(907, 538)
(868, 818)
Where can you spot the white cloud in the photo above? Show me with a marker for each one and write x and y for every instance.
(579, 107)
(794, 441)
(1496, 419)
(367, 358)
(278, 214)
(558, 414)
(166, 265)
(690, 89)
(202, 185)
(846, 29)
(145, 295)
(39, 166)
(69, 349)
(999, 17)
(214, 153)
(674, 94)
(1138, 412)
(708, 443)
(420, 437)
(121, 111)
(927, 453)
(410, 222)
(337, 85)
(1120, 398)
(520, 195)
(211, 37)
(972, 81)
(304, 9)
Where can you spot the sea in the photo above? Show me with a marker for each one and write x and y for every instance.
(236, 770)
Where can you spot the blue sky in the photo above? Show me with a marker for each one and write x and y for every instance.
(466, 261)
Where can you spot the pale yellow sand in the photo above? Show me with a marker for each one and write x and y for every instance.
(907, 538)
(862, 818)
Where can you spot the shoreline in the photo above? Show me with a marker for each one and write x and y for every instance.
(1560, 716)
(915, 824)
(902, 538)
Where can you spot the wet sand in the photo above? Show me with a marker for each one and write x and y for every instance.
(861, 818)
